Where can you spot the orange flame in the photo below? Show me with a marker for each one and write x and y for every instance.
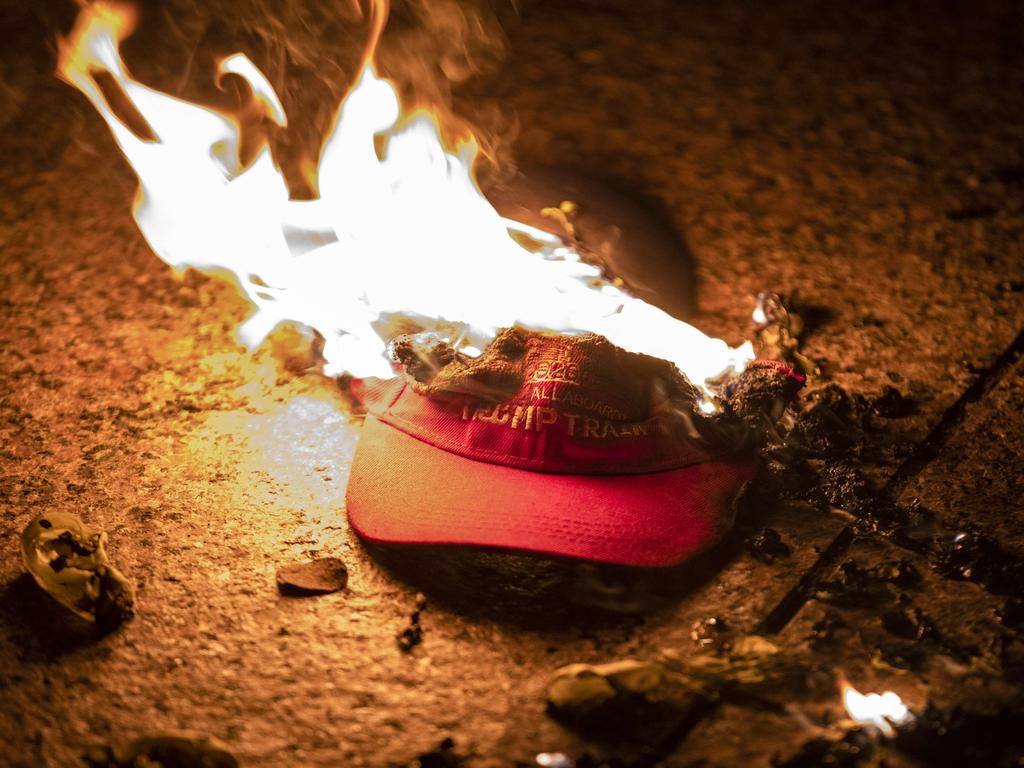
(398, 240)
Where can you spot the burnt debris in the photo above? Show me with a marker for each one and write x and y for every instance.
(412, 635)
(68, 559)
(768, 546)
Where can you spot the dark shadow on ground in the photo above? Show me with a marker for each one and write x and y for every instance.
(38, 625)
(617, 224)
(532, 591)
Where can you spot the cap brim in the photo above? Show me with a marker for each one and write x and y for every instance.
(404, 491)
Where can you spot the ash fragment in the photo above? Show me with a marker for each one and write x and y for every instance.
(435, 369)
(834, 422)
(843, 485)
(760, 395)
(768, 546)
(423, 355)
(412, 635)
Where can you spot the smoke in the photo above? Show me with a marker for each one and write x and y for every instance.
(431, 47)
(311, 50)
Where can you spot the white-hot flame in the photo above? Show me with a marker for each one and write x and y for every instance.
(883, 711)
(398, 240)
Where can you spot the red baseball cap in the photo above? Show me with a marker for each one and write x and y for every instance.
(554, 444)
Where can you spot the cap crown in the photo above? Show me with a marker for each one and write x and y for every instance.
(547, 402)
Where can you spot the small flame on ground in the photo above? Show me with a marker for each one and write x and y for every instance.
(882, 711)
(400, 240)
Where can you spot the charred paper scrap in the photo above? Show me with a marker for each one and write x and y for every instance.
(68, 559)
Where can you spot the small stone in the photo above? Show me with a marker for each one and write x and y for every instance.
(628, 696)
(317, 577)
(578, 688)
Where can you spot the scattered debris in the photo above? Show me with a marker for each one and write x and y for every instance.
(745, 663)
(412, 635)
(833, 424)
(163, 750)
(68, 559)
(827, 628)
(907, 621)
(855, 587)
(317, 577)
(627, 698)
(621, 693)
(708, 632)
(902, 573)
(843, 485)
(902, 654)
(972, 556)
(768, 546)
(763, 391)
(778, 331)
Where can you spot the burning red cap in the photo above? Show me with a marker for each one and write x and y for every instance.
(555, 444)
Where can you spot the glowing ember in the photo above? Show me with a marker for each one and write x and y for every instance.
(880, 710)
(398, 241)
